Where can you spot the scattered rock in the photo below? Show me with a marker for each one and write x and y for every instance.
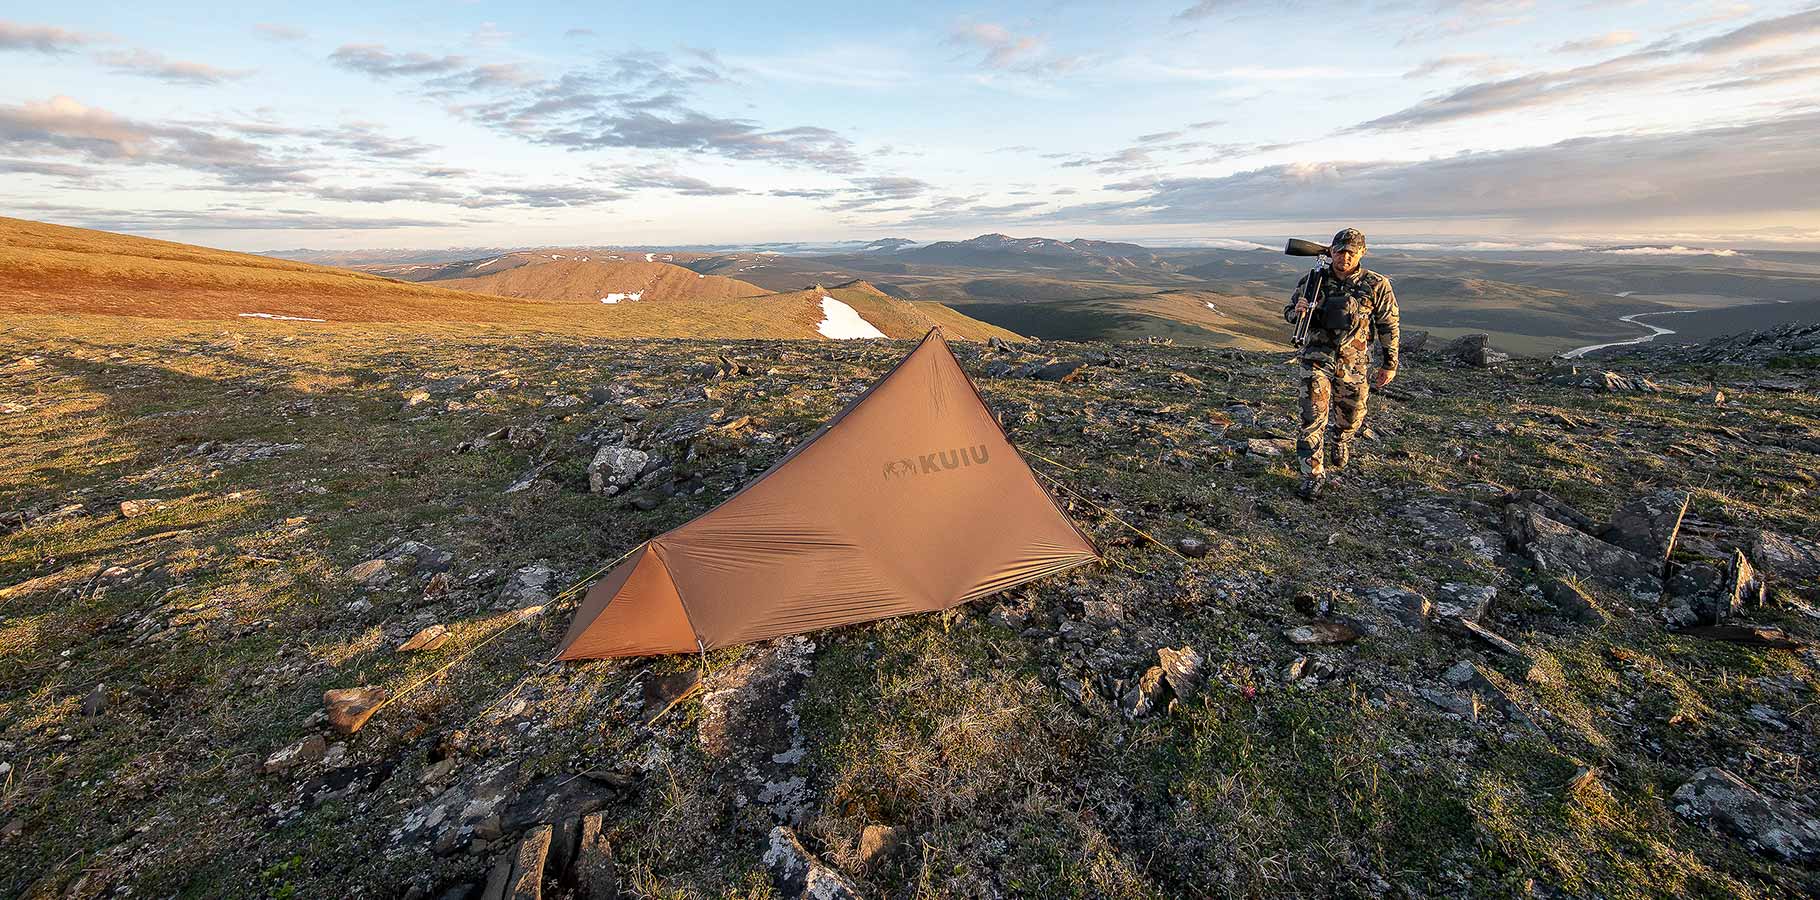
(799, 874)
(439, 587)
(96, 702)
(1571, 601)
(1758, 635)
(877, 844)
(1407, 606)
(308, 750)
(374, 573)
(519, 874)
(431, 638)
(1609, 382)
(1493, 638)
(1142, 698)
(529, 586)
(1184, 669)
(1785, 556)
(133, 509)
(1071, 370)
(416, 398)
(1412, 341)
(1647, 525)
(350, 708)
(1563, 551)
(1465, 601)
(615, 468)
(1267, 447)
(1767, 826)
(592, 871)
(12, 829)
(1554, 508)
(1476, 350)
(1322, 633)
(1191, 547)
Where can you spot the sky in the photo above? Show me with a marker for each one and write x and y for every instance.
(478, 124)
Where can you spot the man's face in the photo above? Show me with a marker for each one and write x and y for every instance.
(1346, 259)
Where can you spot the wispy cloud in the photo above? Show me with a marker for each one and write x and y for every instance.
(659, 177)
(1596, 43)
(636, 100)
(148, 64)
(42, 38)
(278, 32)
(1658, 64)
(1002, 49)
(1582, 180)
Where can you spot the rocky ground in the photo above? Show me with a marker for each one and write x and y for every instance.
(1550, 636)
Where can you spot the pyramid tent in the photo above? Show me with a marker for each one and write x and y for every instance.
(911, 499)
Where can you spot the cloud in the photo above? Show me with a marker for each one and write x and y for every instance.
(35, 167)
(376, 60)
(868, 193)
(1676, 250)
(1479, 64)
(277, 32)
(42, 38)
(491, 197)
(637, 100)
(1603, 179)
(663, 178)
(578, 33)
(804, 193)
(219, 218)
(1003, 50)
(1656, 64)
(64, 126)
(1604, 41)
(1204, 9)
(1126, 160)
(153, 65)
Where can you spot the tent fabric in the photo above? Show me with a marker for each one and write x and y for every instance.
(911, 499)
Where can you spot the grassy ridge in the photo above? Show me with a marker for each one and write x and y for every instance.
(216, 620)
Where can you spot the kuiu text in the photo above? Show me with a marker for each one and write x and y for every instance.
(937, 461)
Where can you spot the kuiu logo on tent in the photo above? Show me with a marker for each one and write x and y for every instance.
(936, 461)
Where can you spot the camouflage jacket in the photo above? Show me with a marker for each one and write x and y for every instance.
(1375, 318)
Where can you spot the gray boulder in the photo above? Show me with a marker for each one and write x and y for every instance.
(1786, 556)
(1648, 524)
(1765, 825)
(613, 469)
(1476, 350)
(1567, 552)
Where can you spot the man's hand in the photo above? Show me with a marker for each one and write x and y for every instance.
(1302, 306)
(1383, 377)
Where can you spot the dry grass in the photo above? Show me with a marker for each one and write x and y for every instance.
(51, 269)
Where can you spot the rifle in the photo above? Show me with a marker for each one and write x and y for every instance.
(1298, 247)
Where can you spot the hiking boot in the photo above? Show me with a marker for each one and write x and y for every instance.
(1338, 455)
(1311, 487)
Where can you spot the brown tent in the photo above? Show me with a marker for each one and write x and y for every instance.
(909, 500)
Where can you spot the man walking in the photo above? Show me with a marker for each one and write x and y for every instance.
(1355, 307)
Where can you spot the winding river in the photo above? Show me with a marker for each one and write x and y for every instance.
(1655, 331)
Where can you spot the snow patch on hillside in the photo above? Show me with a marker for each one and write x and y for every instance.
(487, 263)
(279, 318)
(841, 322)
(650, 257)
(615, 298)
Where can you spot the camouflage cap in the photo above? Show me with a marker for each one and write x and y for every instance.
(1349, 237)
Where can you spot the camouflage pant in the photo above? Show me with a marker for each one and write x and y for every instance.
(1320, 390)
